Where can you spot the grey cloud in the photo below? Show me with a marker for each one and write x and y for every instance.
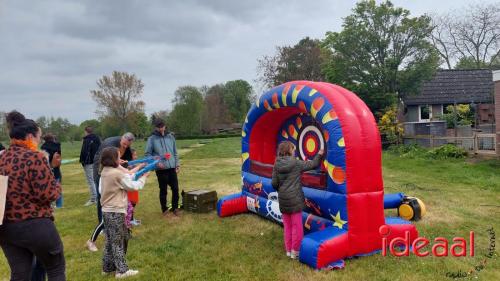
(173, 22)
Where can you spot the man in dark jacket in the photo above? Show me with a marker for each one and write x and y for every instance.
(160, 143)
(91, 143)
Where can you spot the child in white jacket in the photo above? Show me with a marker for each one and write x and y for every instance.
(115, 183)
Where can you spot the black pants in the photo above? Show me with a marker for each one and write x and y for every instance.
(168, 177)
(21, 241)
(100, 226)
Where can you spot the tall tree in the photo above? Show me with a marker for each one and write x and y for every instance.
(381, 53)
(60, 127)
(162, 114)
(4, 135)
(139, 124)
(215, 110)
(471, 37)
(238, 96)
(185, 118)
(302, 61)
(119, 97)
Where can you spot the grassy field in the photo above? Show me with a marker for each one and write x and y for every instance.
(460, 196)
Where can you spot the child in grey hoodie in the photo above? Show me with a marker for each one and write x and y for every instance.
(286, 180)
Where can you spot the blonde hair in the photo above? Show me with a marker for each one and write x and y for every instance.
(285, 148)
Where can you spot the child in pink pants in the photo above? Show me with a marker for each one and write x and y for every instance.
(286, 180)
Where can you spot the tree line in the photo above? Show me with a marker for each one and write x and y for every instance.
(196, 110)
(382, 53)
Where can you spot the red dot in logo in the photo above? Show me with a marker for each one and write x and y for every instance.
(384, 230)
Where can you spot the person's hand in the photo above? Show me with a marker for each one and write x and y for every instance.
(142, 165)
(46, 154)
(177, 169)
(145, 175)
(321, 152)
(123, 161)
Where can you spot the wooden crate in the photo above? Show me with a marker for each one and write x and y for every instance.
(199, 201)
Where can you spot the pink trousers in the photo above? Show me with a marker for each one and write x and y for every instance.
(294, 231)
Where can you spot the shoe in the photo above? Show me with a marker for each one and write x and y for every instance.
(294, 255)
(91, 246)
(288, 254)
(89, 203)
(135, 222)
(126, 274)
(177, 212)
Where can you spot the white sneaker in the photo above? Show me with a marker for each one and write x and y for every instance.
(135, 222)
(126, 274)
(294, 255)
(288, 254)
(89, 203)
(91, 246)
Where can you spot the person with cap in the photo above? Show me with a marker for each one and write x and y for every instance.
(160, 143)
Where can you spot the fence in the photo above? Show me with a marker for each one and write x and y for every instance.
(479, 143)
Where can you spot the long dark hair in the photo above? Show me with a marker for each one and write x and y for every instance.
(19, 127)
(49, 137)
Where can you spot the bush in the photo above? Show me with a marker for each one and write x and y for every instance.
(390, 128)
(447, 151)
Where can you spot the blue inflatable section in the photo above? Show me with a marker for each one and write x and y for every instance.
(392, 201)
(320, 203)
(311, 244)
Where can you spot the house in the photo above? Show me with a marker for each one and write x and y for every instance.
(423, 113)
(449, 87)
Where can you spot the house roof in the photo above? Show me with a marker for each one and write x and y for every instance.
(460, 86)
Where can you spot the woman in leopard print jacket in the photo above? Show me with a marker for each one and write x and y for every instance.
(28, 229)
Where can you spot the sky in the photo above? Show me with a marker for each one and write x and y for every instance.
(52, 52)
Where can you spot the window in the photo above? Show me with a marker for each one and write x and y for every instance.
(424, 113)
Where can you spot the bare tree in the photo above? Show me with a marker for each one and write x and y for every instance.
(118, 96)
(472, 35)
(441, 38)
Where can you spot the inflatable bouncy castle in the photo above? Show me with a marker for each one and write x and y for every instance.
(345, 196)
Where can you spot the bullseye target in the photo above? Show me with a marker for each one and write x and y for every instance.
(310, 142)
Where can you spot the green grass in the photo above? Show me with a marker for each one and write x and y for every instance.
(460, 196)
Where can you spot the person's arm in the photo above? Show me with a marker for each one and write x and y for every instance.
(82, 152)
(137, 168)
(176, 155)
(128, 184)
(309, 165)
(149, 148)
(42, 181)
(275, 182)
